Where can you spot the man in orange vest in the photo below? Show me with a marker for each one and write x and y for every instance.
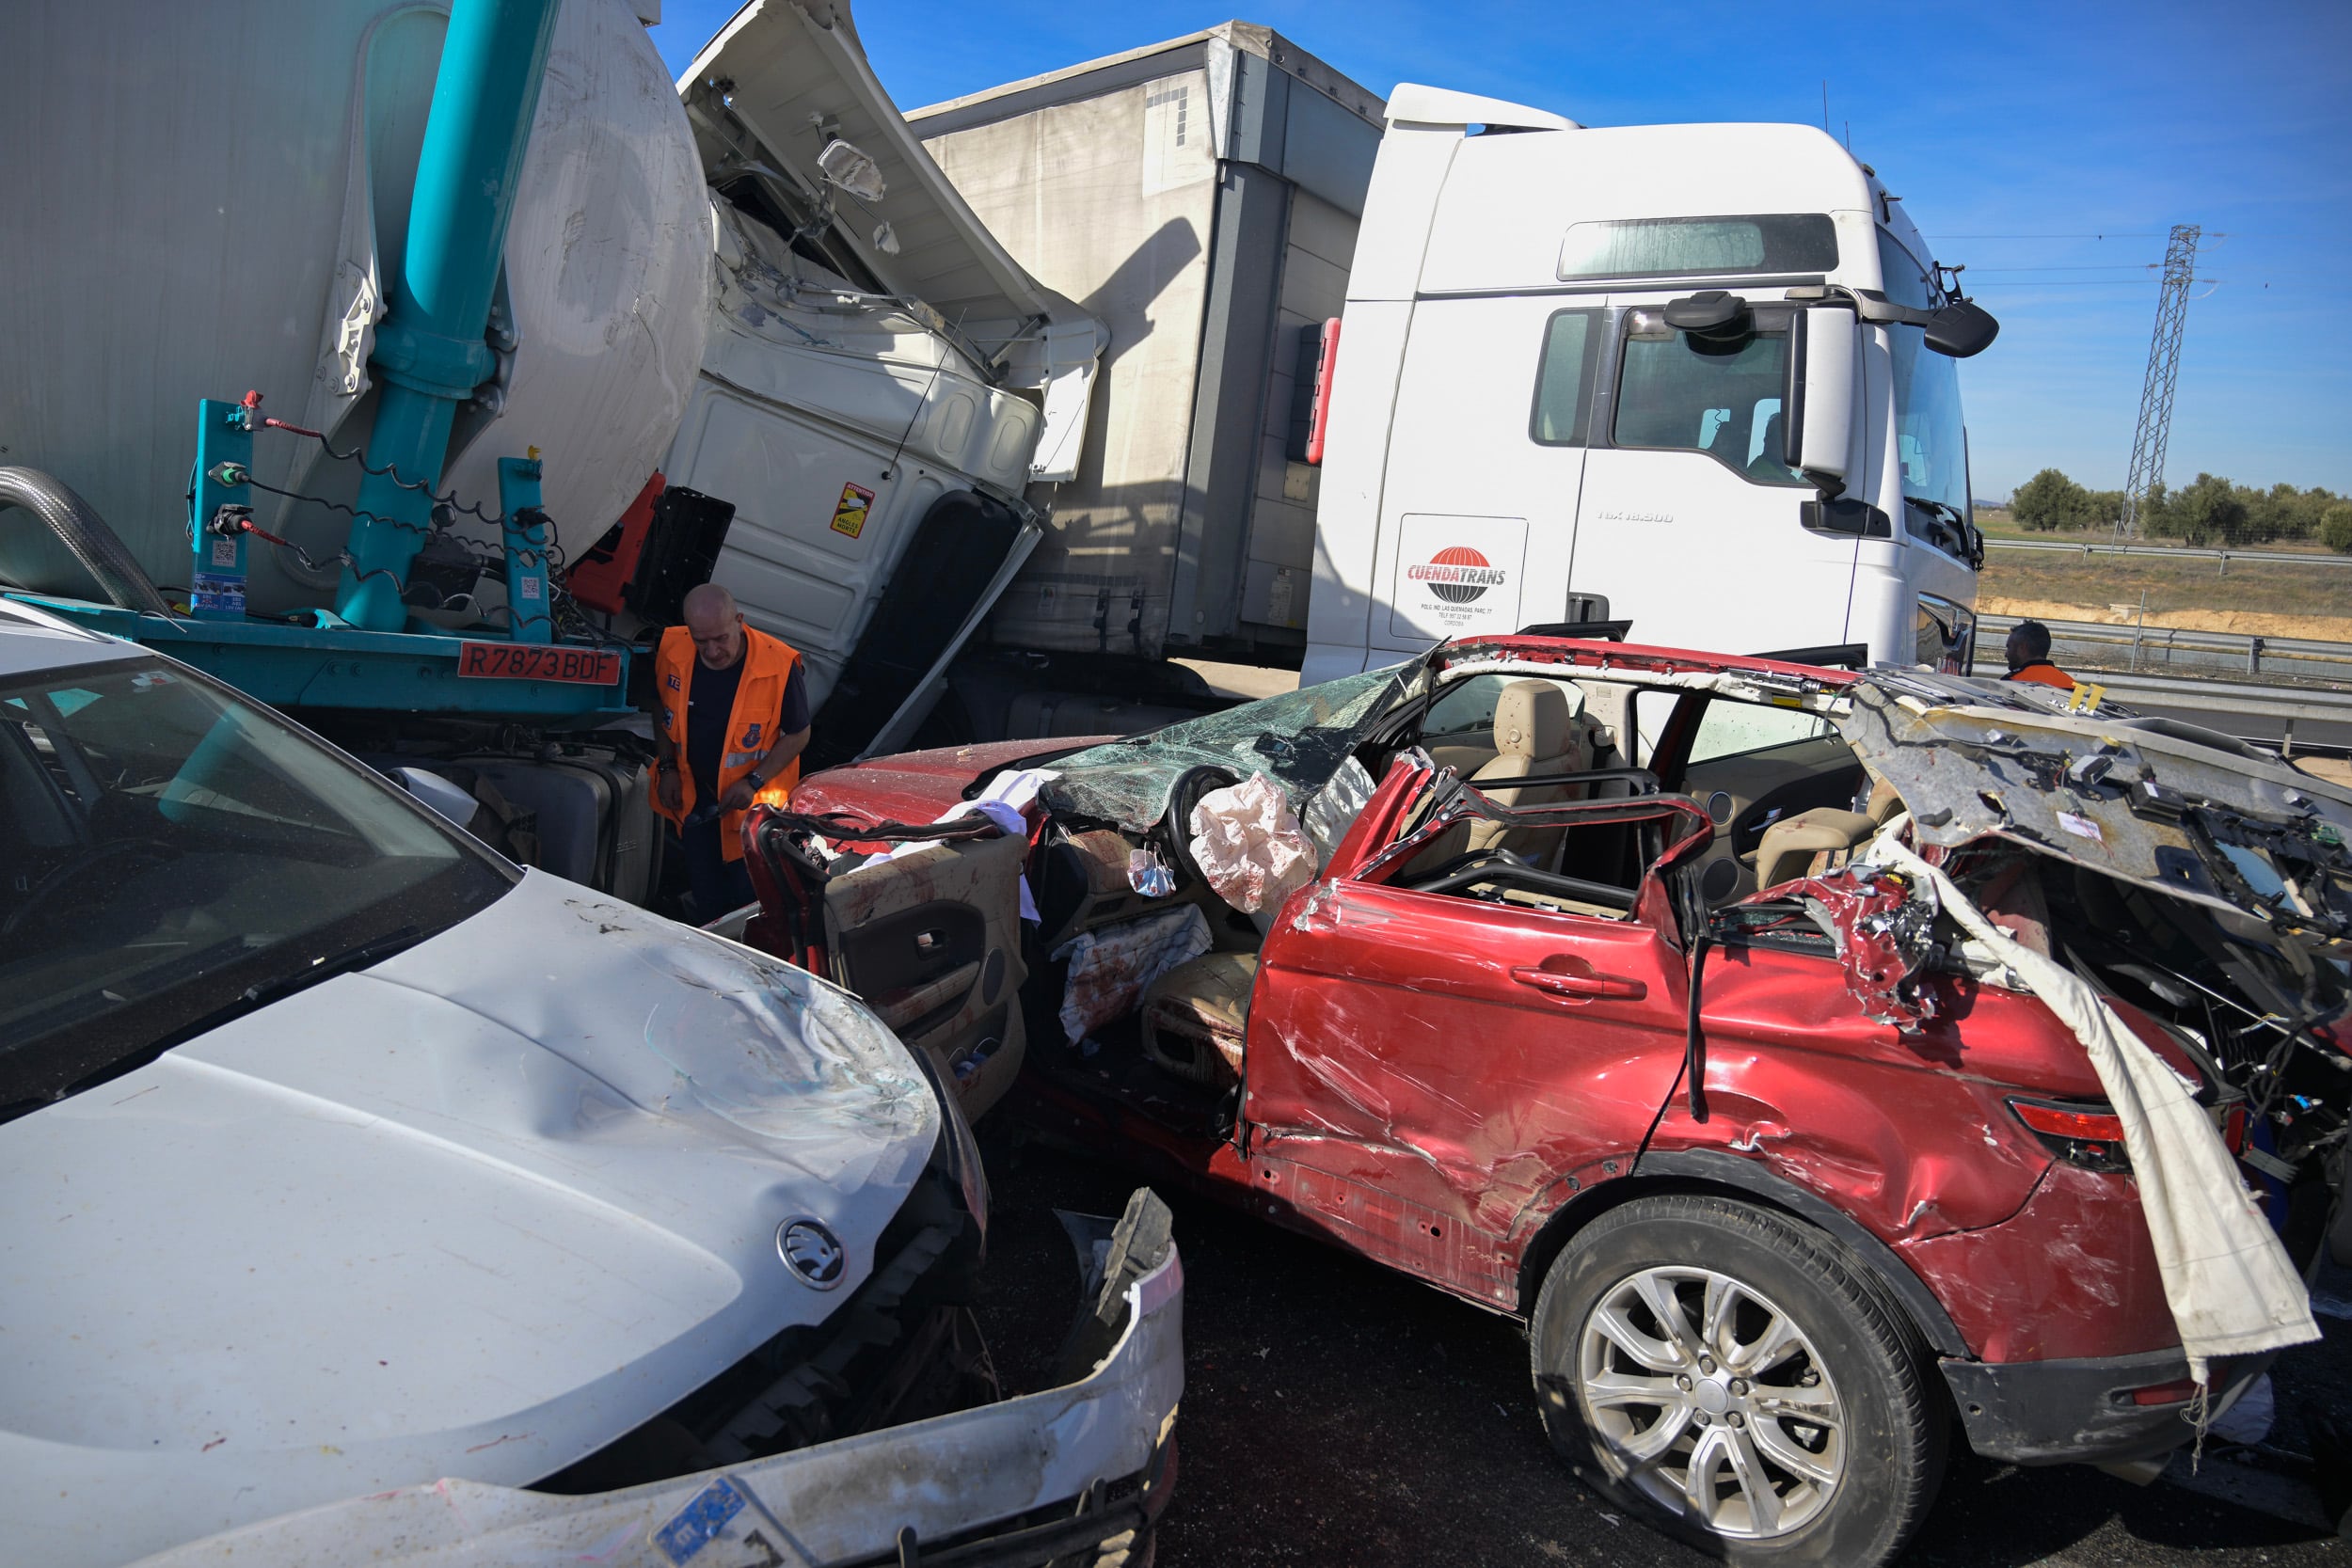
(2029, 652)
(734, 719)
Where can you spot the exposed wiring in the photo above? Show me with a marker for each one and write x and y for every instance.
(388, 471)
(564, 616)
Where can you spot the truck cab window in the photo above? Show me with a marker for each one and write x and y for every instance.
(1564, 378)
(1902, 276)
(1677, 393)
(1767, 244)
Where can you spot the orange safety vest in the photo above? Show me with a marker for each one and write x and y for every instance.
(2042, 673)
(768, 664)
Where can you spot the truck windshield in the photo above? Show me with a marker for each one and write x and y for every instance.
(174, 855)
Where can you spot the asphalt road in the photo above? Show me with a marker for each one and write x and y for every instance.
(1337, 1413)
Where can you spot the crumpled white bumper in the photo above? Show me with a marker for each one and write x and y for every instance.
(844, 1502)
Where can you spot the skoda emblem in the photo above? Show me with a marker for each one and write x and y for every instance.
(812, 1252)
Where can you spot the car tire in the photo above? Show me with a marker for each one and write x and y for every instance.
(1840, 1443)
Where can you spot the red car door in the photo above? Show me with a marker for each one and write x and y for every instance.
(1426, 1070)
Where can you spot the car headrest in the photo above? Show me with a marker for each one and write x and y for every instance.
(1531, 719)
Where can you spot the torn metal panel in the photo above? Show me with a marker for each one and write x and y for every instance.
(796, 81)
(1884, 932)
(2226, 1278)
(842, 1501)
(2154, 804)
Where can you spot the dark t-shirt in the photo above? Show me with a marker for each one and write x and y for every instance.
(710, 701)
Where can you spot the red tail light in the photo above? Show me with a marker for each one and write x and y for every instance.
(2093, 1124)
(2086, 1134)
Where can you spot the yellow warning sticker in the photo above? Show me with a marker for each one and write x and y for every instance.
(849, 514)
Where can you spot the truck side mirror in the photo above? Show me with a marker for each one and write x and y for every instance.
(1961, 328)
(1822, 395)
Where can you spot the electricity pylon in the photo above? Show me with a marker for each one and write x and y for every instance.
(2164, 367)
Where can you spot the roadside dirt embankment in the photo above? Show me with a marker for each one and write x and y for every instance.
(2245, 622)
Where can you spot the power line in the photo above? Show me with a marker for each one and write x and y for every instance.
(2079, 282)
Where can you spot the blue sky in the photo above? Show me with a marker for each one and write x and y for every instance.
(2016, 133)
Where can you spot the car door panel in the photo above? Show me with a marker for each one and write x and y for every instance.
(1432, 1063)
(932, 941)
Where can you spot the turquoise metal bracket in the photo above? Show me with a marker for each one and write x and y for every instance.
(528, 616)
(314, 667)
(219, 504)
(430, 349)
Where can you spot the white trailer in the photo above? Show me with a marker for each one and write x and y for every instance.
(1200, 197)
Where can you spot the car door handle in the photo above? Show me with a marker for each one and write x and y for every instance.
(1580, 986)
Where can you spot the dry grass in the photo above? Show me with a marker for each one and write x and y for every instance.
(2113, 585)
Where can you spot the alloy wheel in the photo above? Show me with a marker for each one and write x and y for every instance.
(1713, 1401)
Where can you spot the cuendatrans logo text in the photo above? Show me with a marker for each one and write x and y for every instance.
(1457, 574)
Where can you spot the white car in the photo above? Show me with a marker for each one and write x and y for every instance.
(371, 1197)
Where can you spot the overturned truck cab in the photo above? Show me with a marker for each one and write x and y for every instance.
(1806, 1054)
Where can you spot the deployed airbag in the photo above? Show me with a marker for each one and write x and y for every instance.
(1248, 845)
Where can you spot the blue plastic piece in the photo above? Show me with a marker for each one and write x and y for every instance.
(222, 500)
(528, 616)
(429, 352)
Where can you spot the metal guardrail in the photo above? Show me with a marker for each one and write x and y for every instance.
(2173, 651)
(2226, 699)
(2300, 557)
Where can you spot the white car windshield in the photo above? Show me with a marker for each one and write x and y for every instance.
(172, 855)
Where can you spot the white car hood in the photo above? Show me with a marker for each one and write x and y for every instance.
(475, 1212)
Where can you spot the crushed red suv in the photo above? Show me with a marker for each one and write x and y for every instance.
(1578, 1017)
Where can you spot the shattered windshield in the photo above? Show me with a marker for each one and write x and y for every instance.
(1299, 739)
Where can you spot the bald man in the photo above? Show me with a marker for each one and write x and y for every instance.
(734, 720)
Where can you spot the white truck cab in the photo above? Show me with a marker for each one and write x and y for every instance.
(1679, 375)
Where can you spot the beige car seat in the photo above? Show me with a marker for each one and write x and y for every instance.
(1813, 841)
(1536, 732)
(1196, 1014)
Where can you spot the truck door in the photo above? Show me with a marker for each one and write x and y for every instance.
(1486, 457)
(1688, 522)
